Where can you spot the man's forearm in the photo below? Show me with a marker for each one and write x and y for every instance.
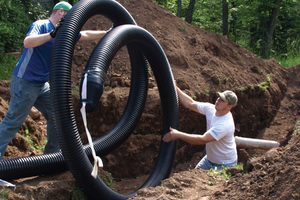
(91, 35)
(186, 100)
(194, 139)
(36, 40)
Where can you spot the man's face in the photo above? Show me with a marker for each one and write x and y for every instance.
(222, 105)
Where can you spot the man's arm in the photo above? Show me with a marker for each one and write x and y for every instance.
(31, 41)
(91, 35)
(36, 40)
(194, 139)
(186, 100)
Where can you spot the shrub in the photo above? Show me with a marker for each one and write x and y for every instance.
(14, 23)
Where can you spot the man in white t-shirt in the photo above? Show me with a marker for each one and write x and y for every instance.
(219, 136)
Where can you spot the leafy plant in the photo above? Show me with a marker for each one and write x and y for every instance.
(107, 179)
(14, 22)
(34, 145)
(265, 85)
(15, 18)
(4, 193)
(78, 194)
(223, 81)
(183, 29)
(247, 24)
(226, 175)
(7, 65)
(215, 173)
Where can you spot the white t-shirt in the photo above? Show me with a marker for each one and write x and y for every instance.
(223, 150)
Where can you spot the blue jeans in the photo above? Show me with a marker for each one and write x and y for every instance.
(206, 164)
(24, 95)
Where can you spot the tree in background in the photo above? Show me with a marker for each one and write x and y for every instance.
(267, 43)
(179, 7)
(190, 11)
(267, 28)
(225, 17)
(14, 24)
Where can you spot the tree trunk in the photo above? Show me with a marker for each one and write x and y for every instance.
(270, 30)
(233, 25)
(225, 17)
(190, 11)
(179, 8)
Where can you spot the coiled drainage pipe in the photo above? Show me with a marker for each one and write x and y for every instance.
(69, 139)
(65, 41)
(77, 160)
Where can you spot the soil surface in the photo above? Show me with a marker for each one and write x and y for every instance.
(202, 64)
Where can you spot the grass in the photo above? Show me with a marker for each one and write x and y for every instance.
(265, 85)
(78, 194)
(223, 173)
(108, 179)
(4, 193)
(7, 65)
(289, 61)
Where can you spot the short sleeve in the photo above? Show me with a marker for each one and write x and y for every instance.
(204, 107)
(217, 132)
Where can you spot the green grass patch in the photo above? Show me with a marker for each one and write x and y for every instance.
(214, 173)
(289, 61)
(4, 193)
(7, 65)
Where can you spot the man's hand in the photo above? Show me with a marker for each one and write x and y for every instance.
(57, 27)
(170, 136)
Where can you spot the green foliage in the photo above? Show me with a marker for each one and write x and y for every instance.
(248, 21)
(215, 173)
(78, 194)
(14, 23)
(4, 193)
(7, 65)
(289, 60)
(108, 179)
(37, 12)
(265, 85)
(33, 145)
(15, 18)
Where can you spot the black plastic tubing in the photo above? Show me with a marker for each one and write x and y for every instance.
(77, 160)
(62, 59)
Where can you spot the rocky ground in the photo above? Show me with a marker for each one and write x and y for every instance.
(202, 63)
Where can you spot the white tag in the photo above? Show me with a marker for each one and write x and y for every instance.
(97, 160)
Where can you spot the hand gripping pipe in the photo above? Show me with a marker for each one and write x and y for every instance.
(77, 16)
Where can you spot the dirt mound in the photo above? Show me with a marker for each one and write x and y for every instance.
(202, 63)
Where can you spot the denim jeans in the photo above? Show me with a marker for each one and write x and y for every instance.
(206, 164)
(24, 95)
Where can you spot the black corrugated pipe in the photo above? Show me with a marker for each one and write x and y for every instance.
(65, 41)
(77, 160)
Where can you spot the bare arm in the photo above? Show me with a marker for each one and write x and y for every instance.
(36, 40)
(195, 139)
(31, 41)
(186, 100)
(91, 35)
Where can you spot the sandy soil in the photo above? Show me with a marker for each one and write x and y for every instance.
(202, 63)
